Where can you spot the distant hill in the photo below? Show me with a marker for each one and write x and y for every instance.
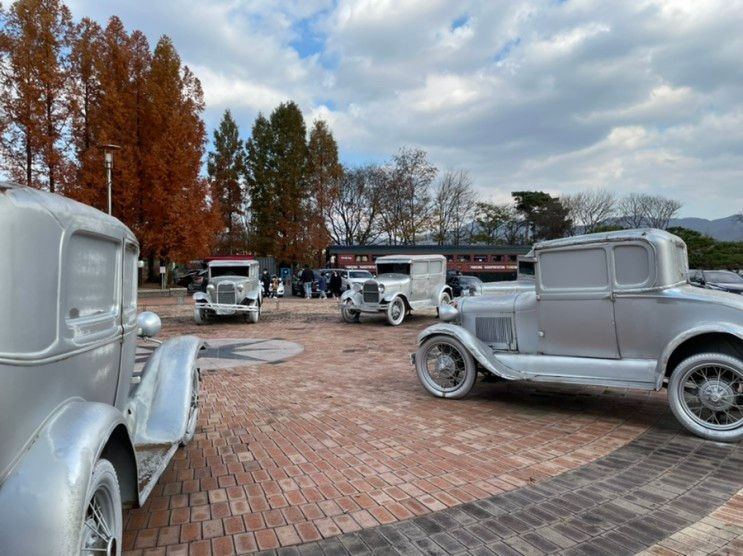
(722, 229)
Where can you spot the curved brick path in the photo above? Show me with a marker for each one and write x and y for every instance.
(661, 483)
(342, 439)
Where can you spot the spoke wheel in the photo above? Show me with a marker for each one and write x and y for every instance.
(193, 410)
(396, 311)
(199, 315)
(444, 300)
(102, 528)
(445, 368)
(706, 395)
(348, 314)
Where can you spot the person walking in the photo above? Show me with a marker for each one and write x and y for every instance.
(336, 284)
(266, 281)
(322, 286)
(307, 277)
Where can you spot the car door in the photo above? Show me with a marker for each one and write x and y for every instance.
(575, 303)
(419, 278)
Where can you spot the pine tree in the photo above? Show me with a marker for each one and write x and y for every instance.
(226, 168)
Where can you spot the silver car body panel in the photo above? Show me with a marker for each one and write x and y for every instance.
(231, 294)
(419, 290)
(621, 330)
(68, 338)
(42, 500)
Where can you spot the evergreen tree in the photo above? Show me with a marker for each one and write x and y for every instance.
(226, 168)
(259, 179)
(289, 163)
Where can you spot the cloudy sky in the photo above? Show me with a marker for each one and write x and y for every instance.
(560, 96)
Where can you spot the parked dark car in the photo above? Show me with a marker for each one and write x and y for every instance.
(198, 281)
(298, 287)
(721, 280)
(463, 284)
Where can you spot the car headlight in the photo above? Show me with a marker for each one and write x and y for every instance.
(381, 288)
(210, 287)
(240, 288)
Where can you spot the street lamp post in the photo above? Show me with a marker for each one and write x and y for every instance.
(108, 157)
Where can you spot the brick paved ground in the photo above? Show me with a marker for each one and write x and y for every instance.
(342, 442)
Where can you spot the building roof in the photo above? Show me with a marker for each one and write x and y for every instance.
(409, 258)
(437, 249)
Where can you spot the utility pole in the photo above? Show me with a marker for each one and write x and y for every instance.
(108, 157)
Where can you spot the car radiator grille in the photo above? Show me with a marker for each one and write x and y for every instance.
(371, 293)
(226, 294)
(495, 331)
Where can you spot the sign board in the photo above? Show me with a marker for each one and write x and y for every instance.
(162, 270)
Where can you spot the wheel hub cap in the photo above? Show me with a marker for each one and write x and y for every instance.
(445, 363)
(717, 396)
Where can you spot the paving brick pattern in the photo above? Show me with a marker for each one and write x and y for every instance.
(660, 484)
(340, 443)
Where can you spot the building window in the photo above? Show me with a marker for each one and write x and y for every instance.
(362, 258)
(463, 258)
(481, 258)
(497, 258)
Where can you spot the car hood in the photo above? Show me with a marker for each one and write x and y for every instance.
(727, 286)
(391, 282)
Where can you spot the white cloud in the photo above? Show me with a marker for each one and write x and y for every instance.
(562, 96)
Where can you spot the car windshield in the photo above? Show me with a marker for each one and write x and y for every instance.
(469, 280)
(723, 276)
(230, 271)
(393, 268)
(360, 274)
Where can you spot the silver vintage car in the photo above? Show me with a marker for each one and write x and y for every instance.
(403, 283)
(233, 286)
(81, 434)
(610, 309)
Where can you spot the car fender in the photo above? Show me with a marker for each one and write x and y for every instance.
(354, 296)
(441, 290)
(482, 353)
(254, 294)
(41, 501)
(722, 327)
(390, 297)
(160, 405)
(200, 297)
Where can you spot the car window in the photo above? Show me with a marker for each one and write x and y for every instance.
(230, 271)
(574, 269)
(436, 267)
(393, 268)
(92, 271)
(360, 274)
(632, 265)
(420, 268)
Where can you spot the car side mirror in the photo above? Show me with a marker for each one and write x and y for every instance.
(148, 324)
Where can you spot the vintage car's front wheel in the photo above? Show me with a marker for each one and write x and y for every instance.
(706, 396)
(102, 528)
(193, 409)
(348, 314)
(396, 311)
(199, 315)
(254, 316)
(445, 368)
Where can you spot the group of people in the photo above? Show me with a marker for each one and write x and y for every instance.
(271, 284)
(325, 286)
